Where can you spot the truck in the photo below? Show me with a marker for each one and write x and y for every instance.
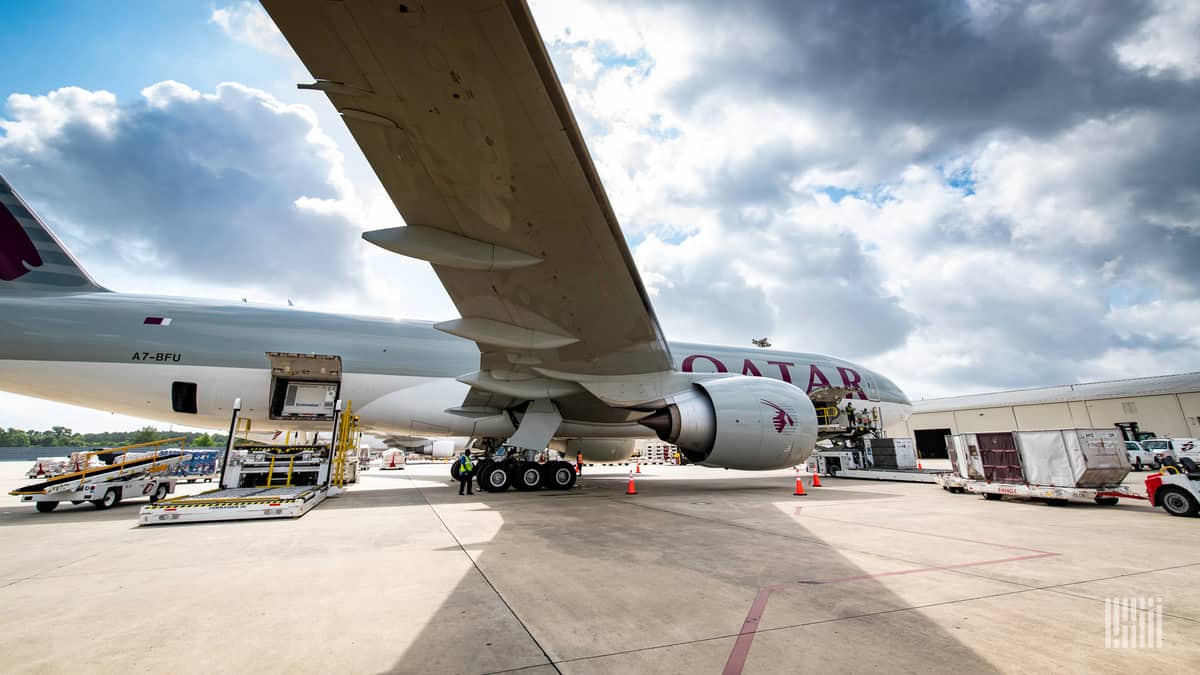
(1056, 466)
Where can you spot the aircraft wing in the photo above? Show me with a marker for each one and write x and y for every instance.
(458, 109)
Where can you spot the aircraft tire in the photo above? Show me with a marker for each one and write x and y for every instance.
(558, 476)
(497, 477)
(527, 477)
(480, 468)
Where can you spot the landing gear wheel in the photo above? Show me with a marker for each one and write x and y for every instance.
(558, 476)
(160, 493)
(992, 496)
(456, 470)
(1178, 502)
(496, 477)
(480, 469)
(528, 477)
(46, 507)
(109, 500)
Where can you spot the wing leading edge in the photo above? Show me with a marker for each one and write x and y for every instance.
(458, 109)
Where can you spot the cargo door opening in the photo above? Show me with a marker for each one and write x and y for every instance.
(304, 387)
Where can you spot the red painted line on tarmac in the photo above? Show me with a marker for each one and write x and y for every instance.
(741, 647)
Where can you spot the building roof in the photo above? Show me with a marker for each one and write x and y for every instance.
(1141, 386)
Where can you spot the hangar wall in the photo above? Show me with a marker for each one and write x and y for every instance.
(1169, 406)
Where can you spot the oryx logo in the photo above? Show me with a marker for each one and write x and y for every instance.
(16, 248)
(782, 418)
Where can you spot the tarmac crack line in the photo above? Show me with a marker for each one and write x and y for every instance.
(549, 661)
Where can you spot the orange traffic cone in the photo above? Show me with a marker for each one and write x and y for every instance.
(799, 486)
(40, 471)
(919, 467)
(816, 480)
(393, 464)
(637, 468)
(631, 490)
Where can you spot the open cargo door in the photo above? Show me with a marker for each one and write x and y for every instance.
(304, 387)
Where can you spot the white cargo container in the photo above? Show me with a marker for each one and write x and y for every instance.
(1059, 465)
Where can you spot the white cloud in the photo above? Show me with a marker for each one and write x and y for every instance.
(249, 24)
(1169, 42)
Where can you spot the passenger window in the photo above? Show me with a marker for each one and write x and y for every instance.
(183, 397)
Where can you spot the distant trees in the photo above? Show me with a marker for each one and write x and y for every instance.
(64, 437)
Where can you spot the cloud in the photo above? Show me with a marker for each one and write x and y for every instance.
(232, 186)
(965, 195)
(249, 24)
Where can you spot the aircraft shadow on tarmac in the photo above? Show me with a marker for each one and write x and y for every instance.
(665, 581)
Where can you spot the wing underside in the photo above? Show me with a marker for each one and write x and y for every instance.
(457, 108)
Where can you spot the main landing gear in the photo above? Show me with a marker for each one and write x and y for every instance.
(523, 472)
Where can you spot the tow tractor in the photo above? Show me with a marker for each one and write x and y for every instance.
(1176, 487)
(121, 475)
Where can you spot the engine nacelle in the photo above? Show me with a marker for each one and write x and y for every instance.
(740, 422)
(601, 450)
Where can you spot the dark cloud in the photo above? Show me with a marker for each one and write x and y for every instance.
(202, 187)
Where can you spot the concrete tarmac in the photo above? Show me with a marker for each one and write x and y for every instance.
(703, 571)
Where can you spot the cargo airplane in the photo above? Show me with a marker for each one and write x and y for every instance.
(459, 111)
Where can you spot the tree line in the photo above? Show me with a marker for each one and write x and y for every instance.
(64, 437)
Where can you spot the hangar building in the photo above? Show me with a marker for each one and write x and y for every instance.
(1167, 405)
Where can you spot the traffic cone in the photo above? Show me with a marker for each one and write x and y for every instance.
(816, 480)
(799, 486)
(393, 464)
(40, 471)
(638, 468)
(919, 467)
(631, 490)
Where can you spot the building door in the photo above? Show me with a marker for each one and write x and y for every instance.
(931, 443)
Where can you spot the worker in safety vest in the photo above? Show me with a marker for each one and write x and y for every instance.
(850, 420)
(465, 470)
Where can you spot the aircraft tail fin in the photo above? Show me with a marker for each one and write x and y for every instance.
(31, 257)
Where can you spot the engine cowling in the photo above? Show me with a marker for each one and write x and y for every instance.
(739, 422)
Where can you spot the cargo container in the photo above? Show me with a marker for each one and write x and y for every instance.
(1057, 466)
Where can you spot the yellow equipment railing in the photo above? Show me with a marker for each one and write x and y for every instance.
(124, 450)
(345, 445)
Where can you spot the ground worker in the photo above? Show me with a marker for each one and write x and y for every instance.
(466, 470)
(850, 414)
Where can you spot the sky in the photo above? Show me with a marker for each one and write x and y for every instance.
(964, 195)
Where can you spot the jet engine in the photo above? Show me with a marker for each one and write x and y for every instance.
(739, 422)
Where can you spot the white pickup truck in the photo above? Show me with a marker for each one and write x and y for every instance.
(1172, 448)
(1139, 457)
